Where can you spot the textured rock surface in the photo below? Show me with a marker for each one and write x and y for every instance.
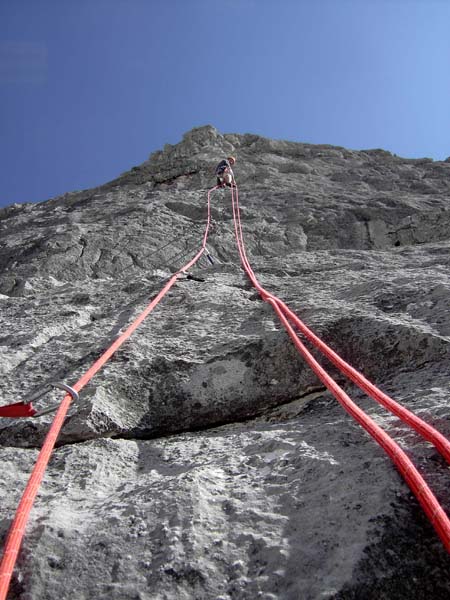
(206, 460)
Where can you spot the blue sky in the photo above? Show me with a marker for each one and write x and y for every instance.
(89, 88)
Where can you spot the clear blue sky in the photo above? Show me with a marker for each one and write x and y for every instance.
(89, 88)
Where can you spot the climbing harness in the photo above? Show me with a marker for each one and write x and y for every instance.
(17, 529)
(417, 484)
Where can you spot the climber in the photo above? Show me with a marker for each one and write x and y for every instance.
(224, 172)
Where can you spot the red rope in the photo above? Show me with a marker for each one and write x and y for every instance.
(417, 484)
(441, 443)
(17, 529)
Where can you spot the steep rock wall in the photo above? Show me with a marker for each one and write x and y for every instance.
(206, 460)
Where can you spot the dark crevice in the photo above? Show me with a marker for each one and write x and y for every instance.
(310, 394)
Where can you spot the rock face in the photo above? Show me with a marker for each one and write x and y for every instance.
(206, 460)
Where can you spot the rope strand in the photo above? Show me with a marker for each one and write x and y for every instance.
(417, 484)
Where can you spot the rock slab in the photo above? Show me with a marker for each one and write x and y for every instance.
(206, 461)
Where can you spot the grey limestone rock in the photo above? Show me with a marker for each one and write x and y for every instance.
(206, 460)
